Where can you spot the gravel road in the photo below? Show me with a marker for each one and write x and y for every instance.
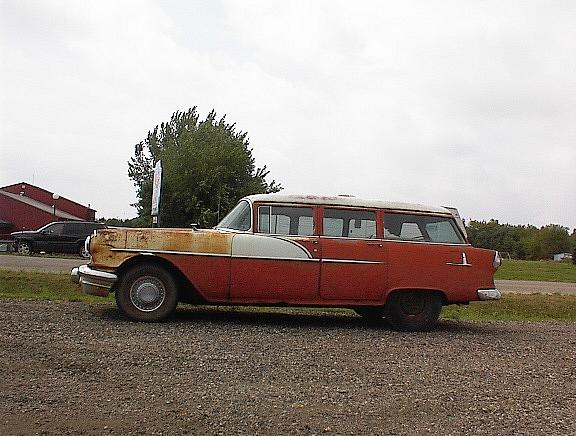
(72, 368)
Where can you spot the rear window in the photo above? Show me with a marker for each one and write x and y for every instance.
(421, 228)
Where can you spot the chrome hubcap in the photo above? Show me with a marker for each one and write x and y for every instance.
(147, 293)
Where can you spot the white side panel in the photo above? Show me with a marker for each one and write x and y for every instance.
(268, 247)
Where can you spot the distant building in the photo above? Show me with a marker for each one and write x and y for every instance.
(561, 256)
(27, 207)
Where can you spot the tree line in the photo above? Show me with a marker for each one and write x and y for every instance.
(522, 241)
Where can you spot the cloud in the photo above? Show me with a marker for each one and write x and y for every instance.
(467, 104)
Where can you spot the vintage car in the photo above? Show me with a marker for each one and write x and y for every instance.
(397, 261)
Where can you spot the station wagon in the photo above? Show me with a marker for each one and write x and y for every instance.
(397, 261)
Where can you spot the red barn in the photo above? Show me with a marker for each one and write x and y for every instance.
(27, 207)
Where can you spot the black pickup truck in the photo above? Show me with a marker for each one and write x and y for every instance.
(56, 237)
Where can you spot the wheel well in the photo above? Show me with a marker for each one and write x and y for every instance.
(186, 290)
(433, 291)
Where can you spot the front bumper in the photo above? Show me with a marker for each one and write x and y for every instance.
(489, 294)
(93, 281)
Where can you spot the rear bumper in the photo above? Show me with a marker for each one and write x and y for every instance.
(489, 294)
(92, 281)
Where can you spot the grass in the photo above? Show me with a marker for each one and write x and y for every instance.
(43, 286)
(546, 271)
(517, 307)
(521, 307)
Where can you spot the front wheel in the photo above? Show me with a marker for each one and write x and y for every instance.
(147, 293)
(413, 310)
(24, 247)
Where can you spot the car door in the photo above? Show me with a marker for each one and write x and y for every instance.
(280, 260)
(353, 263)
(72, 234)
(50, 238)
(427, 252)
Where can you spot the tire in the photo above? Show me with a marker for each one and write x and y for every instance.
(147, 293)
(370, 313)
(413, 310)
(24, 247)
(82, 251)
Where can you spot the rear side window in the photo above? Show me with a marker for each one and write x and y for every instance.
(407, 227)
(349, 223)
(285, 220)
(76, 228)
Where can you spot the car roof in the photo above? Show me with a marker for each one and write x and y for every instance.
(345, 201)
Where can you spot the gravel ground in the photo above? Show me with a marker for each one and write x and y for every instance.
(72, 368)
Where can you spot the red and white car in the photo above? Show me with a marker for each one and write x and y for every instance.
(382, 259)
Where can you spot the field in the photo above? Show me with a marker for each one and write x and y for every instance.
(546, 271)
(521, 307)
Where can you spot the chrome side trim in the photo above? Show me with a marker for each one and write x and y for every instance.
(191, 253)
(489, 294)
(453, 244)
(152, 252)
(295, 259)
(369, 262)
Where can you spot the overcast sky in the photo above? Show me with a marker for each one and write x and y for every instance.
(466, 103)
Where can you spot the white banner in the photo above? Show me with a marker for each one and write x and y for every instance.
(156, 188)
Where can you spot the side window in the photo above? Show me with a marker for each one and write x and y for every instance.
(285, 220)
(407, 227)
(56, 229)
(349, 223)
(75, 229)
(443, 231)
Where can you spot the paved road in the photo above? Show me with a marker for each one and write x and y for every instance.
(58, 264)
(39, 263)
(526, 287)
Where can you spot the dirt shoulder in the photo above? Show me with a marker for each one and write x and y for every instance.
(71, 368)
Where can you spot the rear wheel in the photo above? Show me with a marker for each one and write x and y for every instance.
(413, 310)
(24, 247)
(147, 293)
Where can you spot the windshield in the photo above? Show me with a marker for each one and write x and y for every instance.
(239, 218)
(44, 227)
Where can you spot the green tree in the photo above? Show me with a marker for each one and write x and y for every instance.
(129, 222)
(550, 240)
(207, 167)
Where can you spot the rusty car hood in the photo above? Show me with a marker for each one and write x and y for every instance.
(110, 247)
